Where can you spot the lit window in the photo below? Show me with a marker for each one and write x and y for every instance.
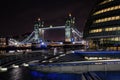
(111, 39)
(116, 38)
(107, 19)
(95, 31)
(118, 28)
(106, 1)
(106, 29)
(113, 29)
(107, 9)
(118, 17)
(110, 29)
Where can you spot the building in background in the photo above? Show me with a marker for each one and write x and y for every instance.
(3, 44)
(102, 28)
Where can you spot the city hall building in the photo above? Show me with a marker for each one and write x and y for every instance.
(102, 29)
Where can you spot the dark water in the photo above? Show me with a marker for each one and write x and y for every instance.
(26, 74)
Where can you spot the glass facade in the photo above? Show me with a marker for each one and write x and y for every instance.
(102, 28)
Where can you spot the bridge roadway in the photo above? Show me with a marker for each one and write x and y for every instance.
(79, 66)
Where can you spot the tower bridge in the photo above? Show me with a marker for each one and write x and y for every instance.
(37, 36)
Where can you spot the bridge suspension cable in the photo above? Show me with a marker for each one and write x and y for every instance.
(28, 39)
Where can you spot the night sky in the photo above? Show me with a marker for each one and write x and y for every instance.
(17, 17)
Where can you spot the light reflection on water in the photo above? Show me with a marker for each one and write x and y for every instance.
(16, 74)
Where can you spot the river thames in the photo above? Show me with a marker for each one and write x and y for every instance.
(24, 73)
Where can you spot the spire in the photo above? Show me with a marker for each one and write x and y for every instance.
(39, 23)
(70, 20)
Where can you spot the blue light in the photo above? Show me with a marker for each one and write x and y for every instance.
(43, 45)
(40, 41)
(61, 42)
(72, 39)
(55, 76)
(37, 74)
(52, 75)
(34, 73)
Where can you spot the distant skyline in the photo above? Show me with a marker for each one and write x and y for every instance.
(17, 17)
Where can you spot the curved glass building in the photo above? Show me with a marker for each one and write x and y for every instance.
(102, 28)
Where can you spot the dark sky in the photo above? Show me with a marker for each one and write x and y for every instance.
(17, 17)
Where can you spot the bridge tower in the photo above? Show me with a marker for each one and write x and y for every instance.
(37, 31)
(70, 23)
